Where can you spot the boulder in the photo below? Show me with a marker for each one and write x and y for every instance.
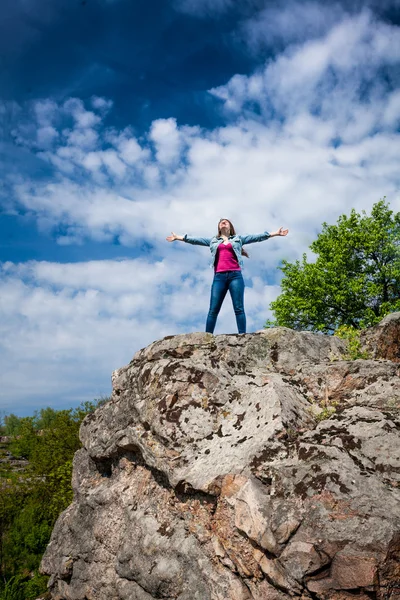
(383, 340)
(236, 467)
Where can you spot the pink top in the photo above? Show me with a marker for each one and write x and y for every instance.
(226, 259)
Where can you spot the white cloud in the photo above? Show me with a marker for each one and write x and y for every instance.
(167, 140)
(102, 104)
(46, 136)
(83, 118)
(113, 163)
(391, 112)
(130, 150)
(276, 169)
(92, 161)
(85, 139)
(45, 112)
(336, 78)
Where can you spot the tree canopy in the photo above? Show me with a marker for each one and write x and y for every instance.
(354, 279)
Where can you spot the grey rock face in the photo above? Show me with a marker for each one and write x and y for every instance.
(240, 467)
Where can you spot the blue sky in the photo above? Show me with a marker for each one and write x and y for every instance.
(122, 121)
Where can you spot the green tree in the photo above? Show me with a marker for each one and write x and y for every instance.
(25, 441)
(12, 424)
(45, 417)
(354, 281)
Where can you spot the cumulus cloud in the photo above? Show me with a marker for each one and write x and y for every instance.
(46, 136)
(102, 104)
(45, 112)
(83, 118)
(337, 79)
(167, 140)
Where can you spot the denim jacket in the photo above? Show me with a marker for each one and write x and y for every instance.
(237, 242)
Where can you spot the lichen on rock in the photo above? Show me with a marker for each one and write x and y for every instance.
(208, 476)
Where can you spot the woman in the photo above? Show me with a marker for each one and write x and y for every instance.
(226, 251)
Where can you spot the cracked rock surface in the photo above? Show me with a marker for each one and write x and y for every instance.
(262, 466)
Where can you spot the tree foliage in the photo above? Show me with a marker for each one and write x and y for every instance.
(32, 499)
(11, 424)
(354, 280)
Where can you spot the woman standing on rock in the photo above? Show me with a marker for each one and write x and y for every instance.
(227, 251)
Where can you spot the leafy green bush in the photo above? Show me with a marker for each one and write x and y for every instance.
(13, 589)
(352, 335)
(19, 587)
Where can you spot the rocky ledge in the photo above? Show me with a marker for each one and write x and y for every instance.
(263, 466)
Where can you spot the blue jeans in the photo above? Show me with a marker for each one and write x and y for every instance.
(232, 281)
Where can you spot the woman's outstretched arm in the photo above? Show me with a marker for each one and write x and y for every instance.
(197, 241)
(260, 237)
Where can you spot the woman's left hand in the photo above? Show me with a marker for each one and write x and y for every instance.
(280, 231)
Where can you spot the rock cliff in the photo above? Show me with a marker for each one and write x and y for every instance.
(263, 466)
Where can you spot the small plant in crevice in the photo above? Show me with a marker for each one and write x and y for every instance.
(352, 335)
(326, 413)
(326, 406)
